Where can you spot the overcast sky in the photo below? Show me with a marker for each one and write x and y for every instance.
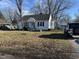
(29, 3)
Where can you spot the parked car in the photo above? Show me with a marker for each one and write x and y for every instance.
(7, 27)
(72, 29)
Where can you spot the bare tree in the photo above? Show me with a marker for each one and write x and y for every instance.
(64, 18)
(19, 4)
(36, 9)
(76, 20)
(11, 15)
(1, 15)
(56, 8)
(52, 6)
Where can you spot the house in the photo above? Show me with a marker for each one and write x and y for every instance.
(3, 21)
(39, 22)
(63, 24)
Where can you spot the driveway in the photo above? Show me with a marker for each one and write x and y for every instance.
(76, 49)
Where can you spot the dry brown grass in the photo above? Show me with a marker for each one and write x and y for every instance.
(29, 45)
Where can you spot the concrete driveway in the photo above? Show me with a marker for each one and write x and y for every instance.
(76, 49)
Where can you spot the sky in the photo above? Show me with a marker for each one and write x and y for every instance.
(74, 9)
(5, 4)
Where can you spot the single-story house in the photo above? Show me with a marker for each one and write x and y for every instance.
(62, 24)
(3, 21)
(39, 22)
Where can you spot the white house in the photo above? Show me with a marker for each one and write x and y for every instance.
(39, 22)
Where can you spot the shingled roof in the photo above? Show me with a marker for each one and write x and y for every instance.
(37, 17)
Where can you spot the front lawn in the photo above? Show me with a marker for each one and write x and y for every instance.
(29, 45)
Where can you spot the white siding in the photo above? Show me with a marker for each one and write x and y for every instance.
(45, 27)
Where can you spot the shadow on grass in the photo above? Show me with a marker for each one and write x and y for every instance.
(57, 36)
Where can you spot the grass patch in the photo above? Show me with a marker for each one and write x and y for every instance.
(29, 45)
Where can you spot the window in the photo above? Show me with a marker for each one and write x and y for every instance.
(40, 23)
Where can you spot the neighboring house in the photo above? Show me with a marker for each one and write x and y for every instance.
(2, 21)
(39, 22)
(62, 24)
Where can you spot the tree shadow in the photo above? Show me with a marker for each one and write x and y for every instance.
(57, 36)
